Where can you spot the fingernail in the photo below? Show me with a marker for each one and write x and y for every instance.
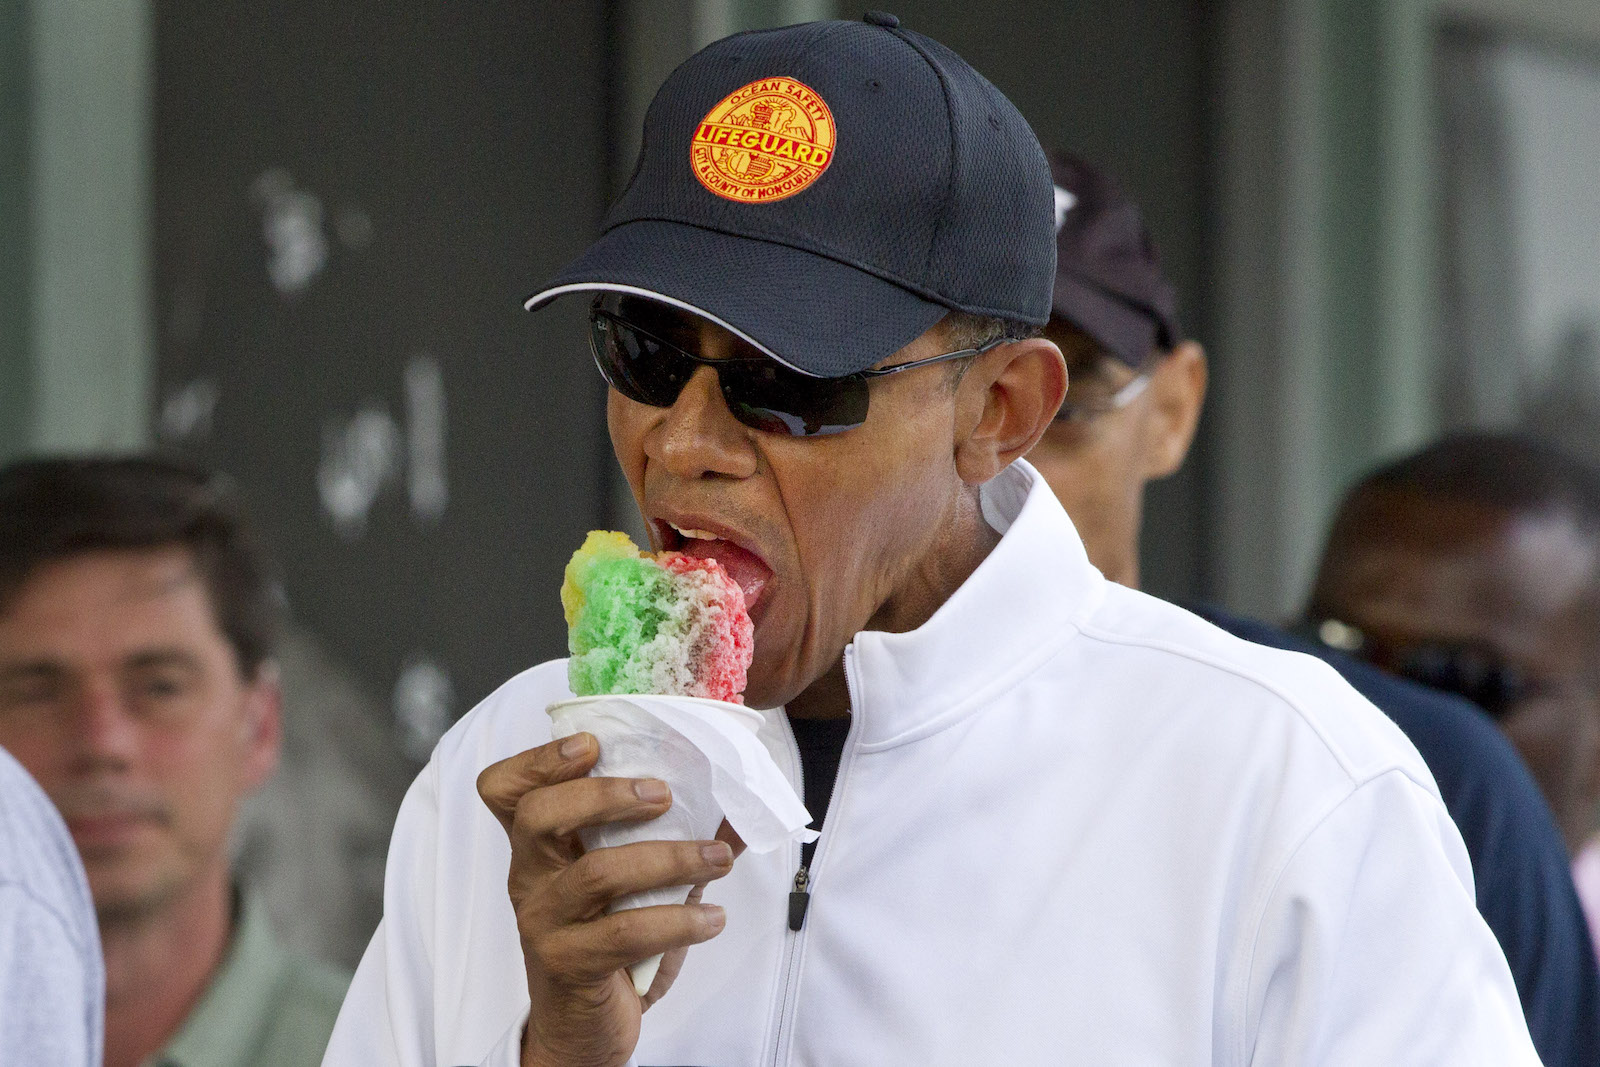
(717, 854)
(574, 746)
(651, 791)
(712, 917)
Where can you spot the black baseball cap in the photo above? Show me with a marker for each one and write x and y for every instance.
(1108, 277)
(828, 192)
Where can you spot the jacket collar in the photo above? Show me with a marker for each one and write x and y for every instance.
(1010, 615)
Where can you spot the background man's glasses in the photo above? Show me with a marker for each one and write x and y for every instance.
(1475, 672)
(760, 392)
(1092, 389)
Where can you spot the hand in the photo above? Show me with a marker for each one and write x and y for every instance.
(583, 1008)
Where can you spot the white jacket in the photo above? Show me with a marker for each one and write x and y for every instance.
(1073, 824)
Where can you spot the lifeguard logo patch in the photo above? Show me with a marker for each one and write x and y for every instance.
(764, 142)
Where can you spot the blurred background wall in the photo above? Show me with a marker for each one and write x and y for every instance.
(75, 181)
(1334, 328)
(290, 240)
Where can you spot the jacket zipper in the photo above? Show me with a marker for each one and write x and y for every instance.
(805, 876)
(799, 897)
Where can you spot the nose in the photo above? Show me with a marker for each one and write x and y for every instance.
(103, 732)
(699, 437)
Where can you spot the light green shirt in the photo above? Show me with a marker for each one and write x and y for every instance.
(266, 1007)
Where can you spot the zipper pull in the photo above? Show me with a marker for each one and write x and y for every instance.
(799, 899)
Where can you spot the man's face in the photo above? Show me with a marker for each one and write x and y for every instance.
(1098, 467)
(1412, 571)
(1095, 466)
(844, 528)
(121, 696)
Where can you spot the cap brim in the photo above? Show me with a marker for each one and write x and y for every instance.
(1126, 331)
(812, 313)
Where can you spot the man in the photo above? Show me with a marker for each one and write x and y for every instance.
(1067, 822)
(52, 983)
(137, 619)
(1474, 565)
(1135, 399)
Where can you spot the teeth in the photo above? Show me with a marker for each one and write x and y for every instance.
(698, 535)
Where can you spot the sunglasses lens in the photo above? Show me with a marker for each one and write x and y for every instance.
(768, 396)
(1467, 672)
(637, 365)
(760, 392)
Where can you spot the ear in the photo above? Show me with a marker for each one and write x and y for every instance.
(1176, 394)
(1006, 401)
(261, 728)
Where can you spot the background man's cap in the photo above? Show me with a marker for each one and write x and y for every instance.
(1108, 278)
(829, 192)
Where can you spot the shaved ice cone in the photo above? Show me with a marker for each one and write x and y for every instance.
(660, 649)
(665, 623)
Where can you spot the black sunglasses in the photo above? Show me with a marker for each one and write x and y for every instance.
(760, 392)
(1472, 671)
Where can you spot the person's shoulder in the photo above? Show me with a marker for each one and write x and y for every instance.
(26, 814)
(1181, 640)
(1455, 737)
(51, 983)
(37, 856)
(1251, 685)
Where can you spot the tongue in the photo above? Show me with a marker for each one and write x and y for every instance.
(742, 566)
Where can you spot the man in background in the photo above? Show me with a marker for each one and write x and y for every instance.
(1136, 387)
(137, 625)
(1474, 566)
(52, 982)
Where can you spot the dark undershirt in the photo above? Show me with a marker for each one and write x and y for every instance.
(821, 744)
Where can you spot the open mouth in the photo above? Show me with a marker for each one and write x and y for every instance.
(701, 541)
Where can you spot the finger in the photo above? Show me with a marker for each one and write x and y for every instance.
(671, 962)
(589, 952)
(503, 784)
(666, 974)
(555, 813)
(586, 888)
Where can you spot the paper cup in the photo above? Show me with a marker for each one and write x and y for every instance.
(637, 740)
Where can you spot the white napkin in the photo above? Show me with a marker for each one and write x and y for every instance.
(708, 753)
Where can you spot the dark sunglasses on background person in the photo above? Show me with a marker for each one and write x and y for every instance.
(1472, 671)
(647, 355)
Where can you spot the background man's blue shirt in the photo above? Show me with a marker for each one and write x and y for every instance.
(1519, 861)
